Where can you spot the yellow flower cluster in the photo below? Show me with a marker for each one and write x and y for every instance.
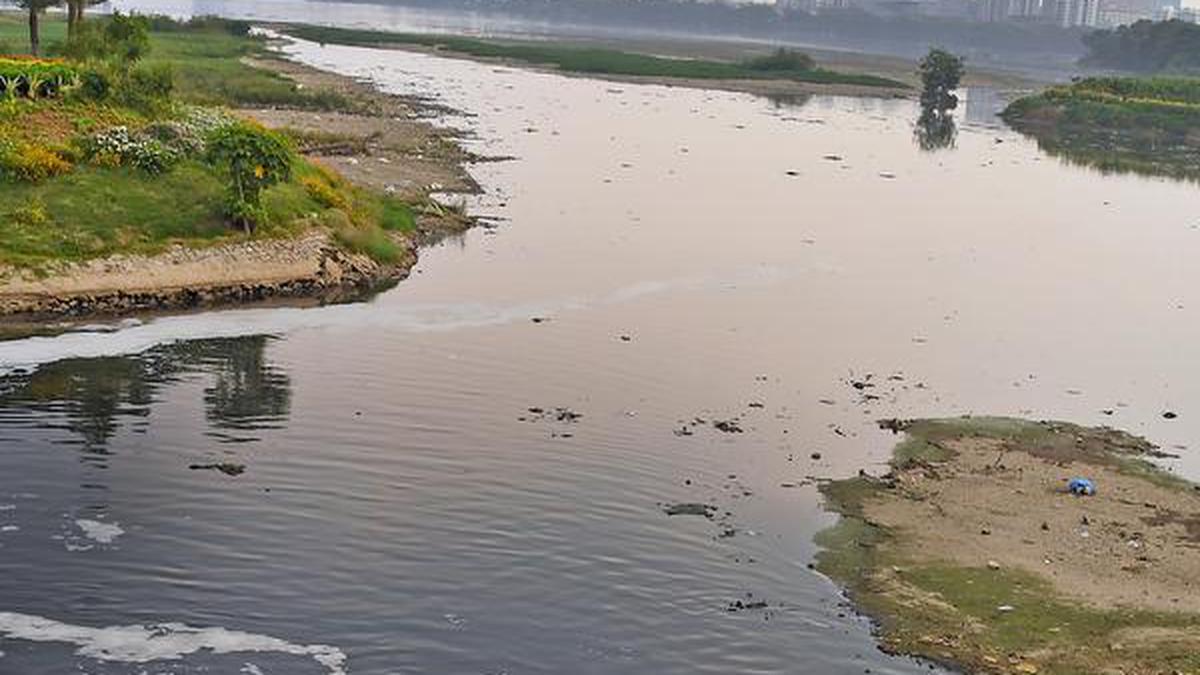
(32, 163)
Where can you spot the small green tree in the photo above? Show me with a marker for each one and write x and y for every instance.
(253, 159)
(127, 37)
(120, 41)
(941, 72)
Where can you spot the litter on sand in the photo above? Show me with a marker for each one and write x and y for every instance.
(1082, 487)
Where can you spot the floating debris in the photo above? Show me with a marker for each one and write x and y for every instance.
(728, 426)
(690, 509)
(227, 468)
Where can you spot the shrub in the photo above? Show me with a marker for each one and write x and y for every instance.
(95, 85)
(127, 36)
(120, 40)
(117, 146)
(146, 87)
(324, 193)
(31, 163)
(156, 147)
(208, 22)
(253, 159)
(782, 59)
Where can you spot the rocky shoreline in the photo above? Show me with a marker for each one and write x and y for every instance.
(312, 267)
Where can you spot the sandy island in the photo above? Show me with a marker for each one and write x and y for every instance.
(970, 551)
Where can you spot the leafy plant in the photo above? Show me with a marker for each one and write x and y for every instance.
(95, 85)
(252, 159)
(146, 88)
(121, 41)
(324, 193)
(941, 72)
(34, 78)
(118, 146)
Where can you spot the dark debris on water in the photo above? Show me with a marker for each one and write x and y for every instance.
(227, 468)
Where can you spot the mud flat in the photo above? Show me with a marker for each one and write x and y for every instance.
(970, 550)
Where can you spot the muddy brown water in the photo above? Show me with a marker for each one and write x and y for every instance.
(691, 255)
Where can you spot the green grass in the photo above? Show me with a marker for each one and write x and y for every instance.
(209, 70)
(1152, 104)
(589, 60)
(949, 613)
(95, 212)
(207, 62)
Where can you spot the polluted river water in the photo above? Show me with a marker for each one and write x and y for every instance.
(436, 482)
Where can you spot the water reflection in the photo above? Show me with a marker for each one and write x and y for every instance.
(935, 130)
(789, 101)
(95, 399)
(1121, 153)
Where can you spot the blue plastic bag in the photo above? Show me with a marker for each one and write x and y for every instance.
(1081, 486)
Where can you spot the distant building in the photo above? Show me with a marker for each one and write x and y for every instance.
(992, 11)
(1024, 9)
(1189, 14)
(1122, 12)
(1070, 13)
(808, 6)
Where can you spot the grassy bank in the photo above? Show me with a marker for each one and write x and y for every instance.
(206, 58)
(1163, 105)
(61, 200)
(966, 598)
(599, 61)
(1143, 125)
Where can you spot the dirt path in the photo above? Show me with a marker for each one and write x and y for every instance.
(972, 551)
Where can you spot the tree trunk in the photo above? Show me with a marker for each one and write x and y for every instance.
(35, 37)
(78, 8)
(73, 16)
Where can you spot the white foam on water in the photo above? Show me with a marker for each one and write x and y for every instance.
(251, 669)
(135, 338)
(160, 642)
(100, 532)
(10, 528)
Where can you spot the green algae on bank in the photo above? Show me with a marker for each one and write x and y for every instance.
(970, 552)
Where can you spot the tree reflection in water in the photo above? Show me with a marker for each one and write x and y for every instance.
(95, 398)
(935, 130)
